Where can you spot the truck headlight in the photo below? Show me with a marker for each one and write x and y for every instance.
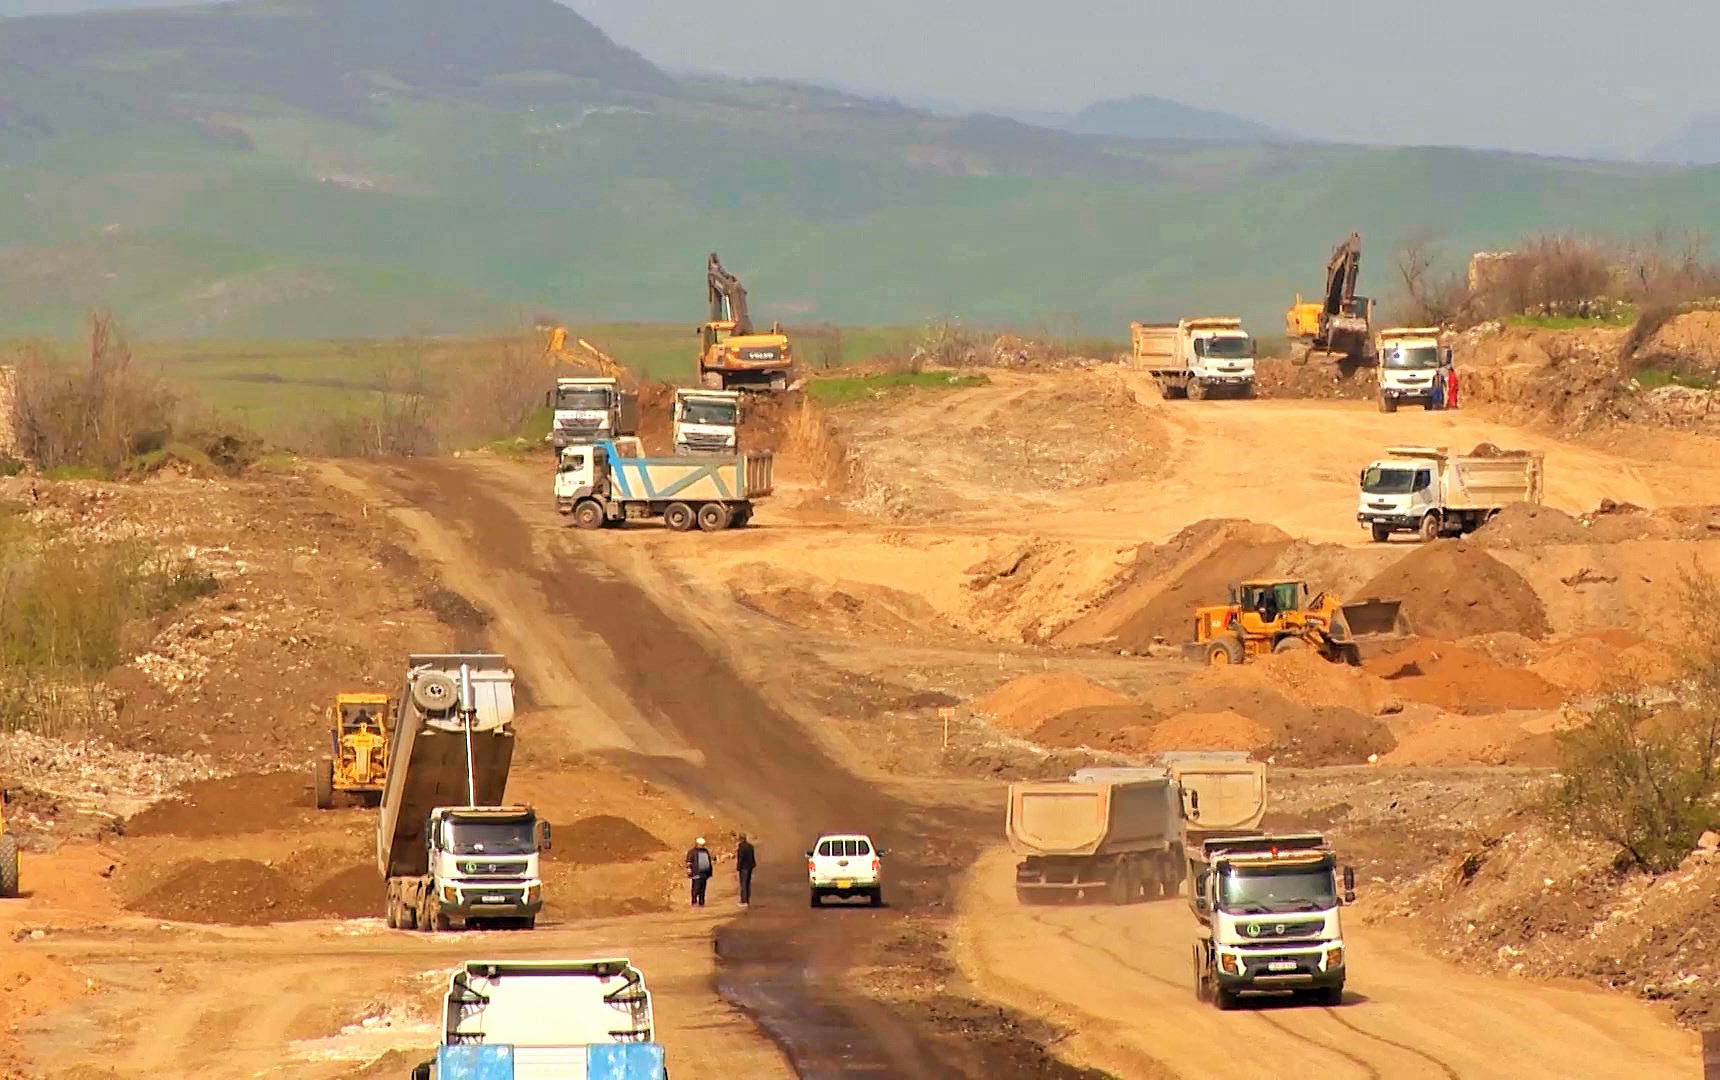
(1229, 964)
(449, 895)
(532, 893)
(1334, 957)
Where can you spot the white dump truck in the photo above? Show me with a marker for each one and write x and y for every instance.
(1195, 357)
(610, 482)
(707, 421)
(1408, 360)
(1267, 913)
(451, 853)
(546, 1020)
(1111, 833)
(1222, 793)
(588, 409)
(1432, 492)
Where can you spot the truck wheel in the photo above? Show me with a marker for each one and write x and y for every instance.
(1196, 392)
(588, 514)
(1028, 896)
(322, 783)
(1429, 528)
(817, 901)
(1226, 1000)
(1224, 651)
(878, 897)
(742, 518)
(439, 921)
(1380, 533)
(9, 868)
(678, 517)
(1200, 985)
(714, 517)
(1246, 391)
(435, 692)
(1289, 644)
(1119, 890)
(1388, 404)
(1329, 996)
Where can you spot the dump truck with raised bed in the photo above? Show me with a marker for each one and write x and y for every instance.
(1112, 833)
(1409, 362)
(451, 852)
(546, 1020)
(707, 421)
(1273, 615)
(611, 482)
(1195, 357)
(731, 355)
(1431, 492)
(1267, 917)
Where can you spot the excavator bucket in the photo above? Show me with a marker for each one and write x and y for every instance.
(1374, 617)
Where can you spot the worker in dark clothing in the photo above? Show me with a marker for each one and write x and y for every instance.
(745, 860)
(699, 867)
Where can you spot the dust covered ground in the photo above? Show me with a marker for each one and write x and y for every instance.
(949, 589)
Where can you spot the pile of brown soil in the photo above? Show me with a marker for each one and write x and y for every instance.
(843, 608)
(231, 806)
(1609, 659)
(1281, 377)
(1208, 731)
(1451, 589)
(1299, 733)
(1460, 679)
(244, 892)
(1121, 729)
(1023, 705)
(1525, 525)
(603, 838)
(1156, 598)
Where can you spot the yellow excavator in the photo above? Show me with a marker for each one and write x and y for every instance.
(1274, 615)
(358, 739)
(1340, 323)
(9, 865)
(731, 356)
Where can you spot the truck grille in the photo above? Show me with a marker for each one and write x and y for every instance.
(1264, 929)
(508, 869)
(704, 442)
(581, 427)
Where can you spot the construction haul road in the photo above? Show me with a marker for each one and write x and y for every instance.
(677, 709)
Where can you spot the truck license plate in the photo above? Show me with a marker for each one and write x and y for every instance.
(1281, 965)
(844, 884)
(495, 899)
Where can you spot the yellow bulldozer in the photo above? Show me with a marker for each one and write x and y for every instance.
(9, 866)
(358, 741)
(1271, 615)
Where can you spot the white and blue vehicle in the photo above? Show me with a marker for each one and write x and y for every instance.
(612, 481)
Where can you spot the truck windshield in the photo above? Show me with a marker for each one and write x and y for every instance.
(1388, 481)
(1266, 890)
(708, 412)
(582, 397)
(1411, 357)
(490, 837)
(1226, 348)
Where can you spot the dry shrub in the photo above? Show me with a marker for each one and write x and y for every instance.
(1645, 777)
(94, 418)
(821, 342)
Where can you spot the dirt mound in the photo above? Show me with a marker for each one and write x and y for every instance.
(603, 838)
(844, 608)
(1156, 598)
(1282, 377)
(229, 807)
(656, 417)
(1022, 705)
(1525, 525)
(1298, 733)
(1460, 679)
(1451, 589)
(244, 892)
(1208, 731)
(1451, 740)
(1565, 380)
(1122, 729)
(1609, 659)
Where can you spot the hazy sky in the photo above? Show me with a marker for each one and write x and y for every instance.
(1551, 76)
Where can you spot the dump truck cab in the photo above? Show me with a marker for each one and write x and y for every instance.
(587, 409)
(1268, 914)
(707, 421)
(1409, 360)
(358, 749)
(484, 862)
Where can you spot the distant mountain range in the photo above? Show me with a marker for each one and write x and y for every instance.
(341, 167)
(1696, 143)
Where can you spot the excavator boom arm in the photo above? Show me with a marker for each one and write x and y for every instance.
(728, 297)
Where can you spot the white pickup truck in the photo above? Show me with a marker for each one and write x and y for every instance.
(1432, 492)
(546, 1020)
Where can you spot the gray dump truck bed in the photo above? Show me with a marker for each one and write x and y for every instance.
(427, 758)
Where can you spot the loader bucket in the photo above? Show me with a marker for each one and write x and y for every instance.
(1374, 617)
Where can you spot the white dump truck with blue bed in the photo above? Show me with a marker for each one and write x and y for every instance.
(612, 481)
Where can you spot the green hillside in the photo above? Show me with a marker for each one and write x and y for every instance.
(322, 168)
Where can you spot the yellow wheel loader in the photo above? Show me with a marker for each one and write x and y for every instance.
(1278, 615)
(9, 866)
(358, 741)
